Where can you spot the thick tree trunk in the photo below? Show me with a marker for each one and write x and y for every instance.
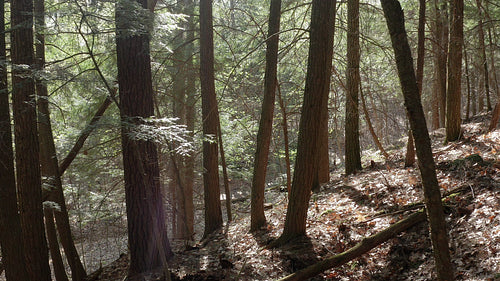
(467, 77)
(454, 95)
(316, 93)
(27, 147)
(439, 237)
(210, 116)
(352, 148)
(440, 48)
(258, 219)
(10, 241)
(148, 242)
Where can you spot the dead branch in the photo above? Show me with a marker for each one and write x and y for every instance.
(361, 248)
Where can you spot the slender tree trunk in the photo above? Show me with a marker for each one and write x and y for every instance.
(439, 236)
(48, 160)
(213, 213)
(190, 119)
(227, 188)
(10, 241)
(284, 125)
(258, 219)
(55, 254)
(370, 126)
(27, 147)
(410, 148)
(317, 86)
(352, 148)
(148, 242)
(454, 95)
(484, 61)
(467, 76)
(441, 53)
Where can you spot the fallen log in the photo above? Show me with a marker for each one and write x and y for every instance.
(359, 249)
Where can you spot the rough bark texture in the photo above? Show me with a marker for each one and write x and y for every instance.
(49, 164)
(352, 149)
(258, 220)
(316, 93)
(439, 237)
(148, 242)
(213, 213)
(454, 95)
(361, 248)
(10, 236)
(26, 139)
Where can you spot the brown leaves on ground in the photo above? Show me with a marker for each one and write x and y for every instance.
(350, 208)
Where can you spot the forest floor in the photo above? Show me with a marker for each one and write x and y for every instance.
(350, 208)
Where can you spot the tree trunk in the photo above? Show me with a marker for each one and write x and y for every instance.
(467, 76)
(48, 160)
(484, 61)
(10, 241)
(439, 237)
(258, 219)
(370, 126)
(440, 48)
(27, 147)
(454, 95)
(148, 242)
(55, 254)
(210, 116)
(284, 125)
(410, 148)
(315, 94)
(227, 189)
(190, 119)
(352, 149)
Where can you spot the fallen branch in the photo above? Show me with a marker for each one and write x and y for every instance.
(361, 248)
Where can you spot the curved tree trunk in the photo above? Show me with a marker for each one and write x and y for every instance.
(258, 219)
(439, 236)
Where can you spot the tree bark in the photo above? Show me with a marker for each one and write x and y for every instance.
(27, 147)
(49, 165)
(361, 248)
(352, 148)
(440, 48)
(148, 242)
(258, 219)
(439, 237)
(284, 125)
(10, 241)
(227, 188)
(315, 95)
(213, 213)
(55, 254)
(484, 61)
(454, 95)
(410, 148)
